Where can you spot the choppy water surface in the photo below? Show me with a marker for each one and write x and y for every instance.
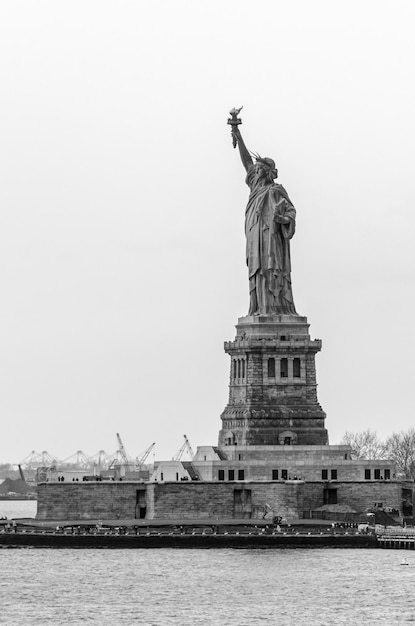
(198, 587)
(224, 587)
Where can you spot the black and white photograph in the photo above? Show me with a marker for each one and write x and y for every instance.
(207, 287)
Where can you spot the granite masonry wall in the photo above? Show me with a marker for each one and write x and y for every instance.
(230, 500)
(91, 500)
(200, 500)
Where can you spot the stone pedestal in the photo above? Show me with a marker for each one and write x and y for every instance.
(273, 389)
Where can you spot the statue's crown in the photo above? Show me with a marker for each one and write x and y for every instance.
(269, 163)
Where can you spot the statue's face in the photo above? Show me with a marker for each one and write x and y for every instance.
(261, 171)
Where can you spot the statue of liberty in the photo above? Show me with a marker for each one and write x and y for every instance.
(269, 226)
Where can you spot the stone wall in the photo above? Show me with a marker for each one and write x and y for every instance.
(365, 494)
(212, 500)
(361, 496)
(200, 500)
(165, 501)
(86, 500)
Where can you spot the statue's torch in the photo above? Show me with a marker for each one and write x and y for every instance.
(234, 121)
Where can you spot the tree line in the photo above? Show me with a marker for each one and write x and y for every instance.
(399, 447)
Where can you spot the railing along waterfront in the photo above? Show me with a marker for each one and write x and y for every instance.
(396, 538)
(183, 536)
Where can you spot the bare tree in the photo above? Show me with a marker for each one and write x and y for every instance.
(364, 445)
(401, 448)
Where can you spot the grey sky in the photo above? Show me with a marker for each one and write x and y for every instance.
(122, 205)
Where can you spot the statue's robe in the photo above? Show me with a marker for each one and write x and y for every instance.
(268, 247)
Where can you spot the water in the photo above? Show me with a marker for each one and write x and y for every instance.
(205, 587)
(18, 508)
(224, 587)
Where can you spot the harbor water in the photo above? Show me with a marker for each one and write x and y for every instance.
(18, 508)
(204, 587)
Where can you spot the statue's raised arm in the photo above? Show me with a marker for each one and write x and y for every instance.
(234, 122)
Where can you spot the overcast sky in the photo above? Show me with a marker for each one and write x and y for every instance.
(122, 267)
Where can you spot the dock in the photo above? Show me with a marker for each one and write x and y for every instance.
(194, 534)
(397, 539)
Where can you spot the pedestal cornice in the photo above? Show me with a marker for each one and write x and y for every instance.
(272, 326)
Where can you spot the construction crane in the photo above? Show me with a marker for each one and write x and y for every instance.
(140, 461)
(35, 460)
(121, 450)
(101, 459)
(120, 456)
(78, 459)
(186, 447)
